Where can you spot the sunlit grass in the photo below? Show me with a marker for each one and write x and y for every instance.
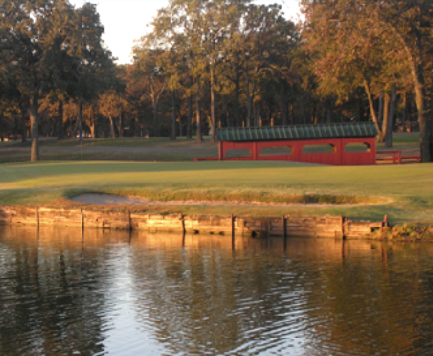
(404, 193)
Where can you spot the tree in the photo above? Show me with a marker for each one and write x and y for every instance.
(33, 34)
(375, 44)
(89, 62)
(111, 105)
(152, 78)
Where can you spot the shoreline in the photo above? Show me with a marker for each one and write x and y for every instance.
(121, 218)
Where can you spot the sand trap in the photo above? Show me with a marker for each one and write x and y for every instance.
(107, 199)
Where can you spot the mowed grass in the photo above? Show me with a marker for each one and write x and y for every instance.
(115, 142)
(403, 192)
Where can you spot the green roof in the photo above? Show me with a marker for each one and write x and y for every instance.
(297, 132)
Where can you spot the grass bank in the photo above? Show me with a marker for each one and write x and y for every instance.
(404, 193)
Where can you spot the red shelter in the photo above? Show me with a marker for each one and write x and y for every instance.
(332, 144)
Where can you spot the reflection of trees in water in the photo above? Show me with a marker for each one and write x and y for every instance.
(321, 297)
(374, 304)
(318, 298)
(210, 301)
(48, 300)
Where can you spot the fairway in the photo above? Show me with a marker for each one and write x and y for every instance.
(403, 192)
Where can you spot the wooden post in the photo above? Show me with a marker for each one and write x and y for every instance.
(233, 232)
(284, 233)
(183, 223)
(183, 230)
(82, 221)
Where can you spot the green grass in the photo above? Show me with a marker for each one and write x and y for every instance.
(403, 192)
(63, 154)
(114, 142)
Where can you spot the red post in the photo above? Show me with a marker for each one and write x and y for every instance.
(255, 152)
(373, 150)
(221, 150)
(340, 151)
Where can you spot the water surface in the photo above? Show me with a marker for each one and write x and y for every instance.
(115, 293)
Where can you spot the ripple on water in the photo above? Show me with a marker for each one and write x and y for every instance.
(120, 294)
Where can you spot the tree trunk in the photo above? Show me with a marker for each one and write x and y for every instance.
(284, 107)
(212, 105)
(75, 129)
(80, 118)
(257, 115)
(61, 129)
(404, 111)
(328, 113)
(34, 127)
(112, 133)
(431, 121)
(380, 110)
(390, 125)
(92, 128)
(198, 137)
(173, 116)
(188, 126)
(386, 100)
(292, 114)
(416, 66)
(237, 105)
(155, 119)
(424, 123)
(120, 126)
(249, 99)
(372, 111)
(23, 124)
(301, 104)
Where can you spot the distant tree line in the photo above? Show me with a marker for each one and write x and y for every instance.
(216, 63)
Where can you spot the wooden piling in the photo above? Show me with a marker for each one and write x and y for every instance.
(283, 219)
(182, 218)
(233, 232)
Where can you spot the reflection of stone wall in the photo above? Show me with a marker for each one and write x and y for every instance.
(119, 292)
(312, 226)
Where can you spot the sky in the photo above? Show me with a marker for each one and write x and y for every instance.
(127, 20)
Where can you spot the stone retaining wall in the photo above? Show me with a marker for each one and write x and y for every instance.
(306, 226)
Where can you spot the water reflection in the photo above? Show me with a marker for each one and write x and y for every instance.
(126, 294)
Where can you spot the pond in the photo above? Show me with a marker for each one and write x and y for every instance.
(120, 293)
